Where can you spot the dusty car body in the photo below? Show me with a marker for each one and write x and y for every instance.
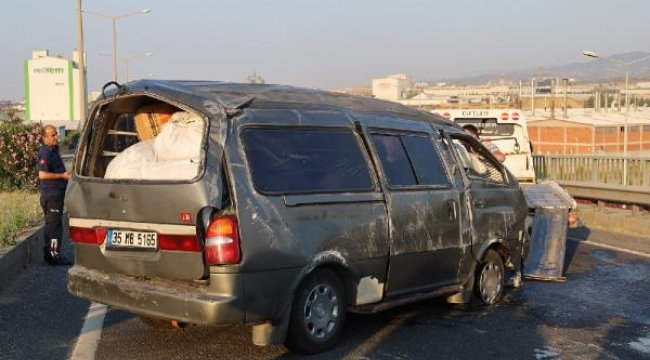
(301, 205)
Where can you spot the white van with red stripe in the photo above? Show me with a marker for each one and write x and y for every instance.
(507, 129)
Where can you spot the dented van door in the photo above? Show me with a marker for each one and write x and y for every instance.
(424, 212)
(495, 203)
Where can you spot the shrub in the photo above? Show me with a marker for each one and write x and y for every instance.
(71, 139)
(19, 144)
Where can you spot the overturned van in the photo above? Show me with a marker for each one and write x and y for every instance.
(215, 203)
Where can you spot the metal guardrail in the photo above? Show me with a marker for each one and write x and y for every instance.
(598, 177)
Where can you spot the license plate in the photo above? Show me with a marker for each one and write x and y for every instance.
(132, 239)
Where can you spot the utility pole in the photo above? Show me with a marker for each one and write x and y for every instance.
(532, 96)
(81, 64)
(566, 83)
(553, 98)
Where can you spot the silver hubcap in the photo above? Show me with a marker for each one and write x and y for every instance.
(321, 311)
(490, 283)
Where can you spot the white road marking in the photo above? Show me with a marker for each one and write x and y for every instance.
(546, 353)
(90, 333)
(633, 252)
(642, 345)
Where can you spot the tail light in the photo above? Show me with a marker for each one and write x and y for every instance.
(93, 236)
(222, 241)
(179, 242)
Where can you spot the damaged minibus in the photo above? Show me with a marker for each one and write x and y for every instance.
(213, 203)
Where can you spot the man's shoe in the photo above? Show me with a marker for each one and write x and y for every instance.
(48, 259)
(60, 261)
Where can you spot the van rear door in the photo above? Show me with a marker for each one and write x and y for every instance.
(136, 192)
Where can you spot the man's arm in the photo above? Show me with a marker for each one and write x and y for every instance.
(499, 155)
(44, 175)
(495, 150)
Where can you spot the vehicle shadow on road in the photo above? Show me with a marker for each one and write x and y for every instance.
(573, 239)
(539, 320)
(423, 330)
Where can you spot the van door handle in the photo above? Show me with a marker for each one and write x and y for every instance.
(451, 209)
(479, 202)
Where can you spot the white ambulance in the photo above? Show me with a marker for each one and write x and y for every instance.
(506, 128)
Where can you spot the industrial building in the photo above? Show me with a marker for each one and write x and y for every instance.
(51, 88)
(586, 131)
(559, 122)
(393, 87)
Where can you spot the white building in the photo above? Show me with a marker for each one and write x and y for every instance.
(51, 88)
(394, 87)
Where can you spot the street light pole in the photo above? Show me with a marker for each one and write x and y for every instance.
(114, 19)
(127, 59)
(114, 48)
(625, 139)
(81, 64)
(626, 66)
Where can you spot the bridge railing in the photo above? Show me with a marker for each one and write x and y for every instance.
(598, 169)
(598, 176)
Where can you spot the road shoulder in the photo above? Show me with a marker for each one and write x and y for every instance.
(15, 258)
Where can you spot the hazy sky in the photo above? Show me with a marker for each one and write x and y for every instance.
(325, 44)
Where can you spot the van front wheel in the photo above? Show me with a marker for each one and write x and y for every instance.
(317, 314)
(489, 278)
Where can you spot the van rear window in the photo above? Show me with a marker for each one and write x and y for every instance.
(306, 161)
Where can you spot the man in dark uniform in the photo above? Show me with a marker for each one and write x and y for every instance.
(54, 179)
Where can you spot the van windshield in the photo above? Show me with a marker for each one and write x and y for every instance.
(489, 126)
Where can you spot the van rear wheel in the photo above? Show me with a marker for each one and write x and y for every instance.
(490, 278)
(318, 313)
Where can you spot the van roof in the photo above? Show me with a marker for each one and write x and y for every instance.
(238, 96)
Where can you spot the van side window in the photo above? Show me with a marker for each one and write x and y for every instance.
(426, 161)
(394, 160)
(410, 160)
(285, 161)
(478, 164)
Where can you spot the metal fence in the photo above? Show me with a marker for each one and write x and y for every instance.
(598, 176)
(598, 169)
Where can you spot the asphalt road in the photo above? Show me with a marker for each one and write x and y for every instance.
(601, 312)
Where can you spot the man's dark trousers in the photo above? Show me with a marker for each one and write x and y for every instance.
(52, 233)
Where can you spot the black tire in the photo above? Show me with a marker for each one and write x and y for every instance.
(317, 314)
(489, 282)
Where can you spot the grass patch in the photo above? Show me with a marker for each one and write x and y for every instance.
(18, 211)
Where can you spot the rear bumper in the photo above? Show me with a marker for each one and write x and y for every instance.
(218, 303)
